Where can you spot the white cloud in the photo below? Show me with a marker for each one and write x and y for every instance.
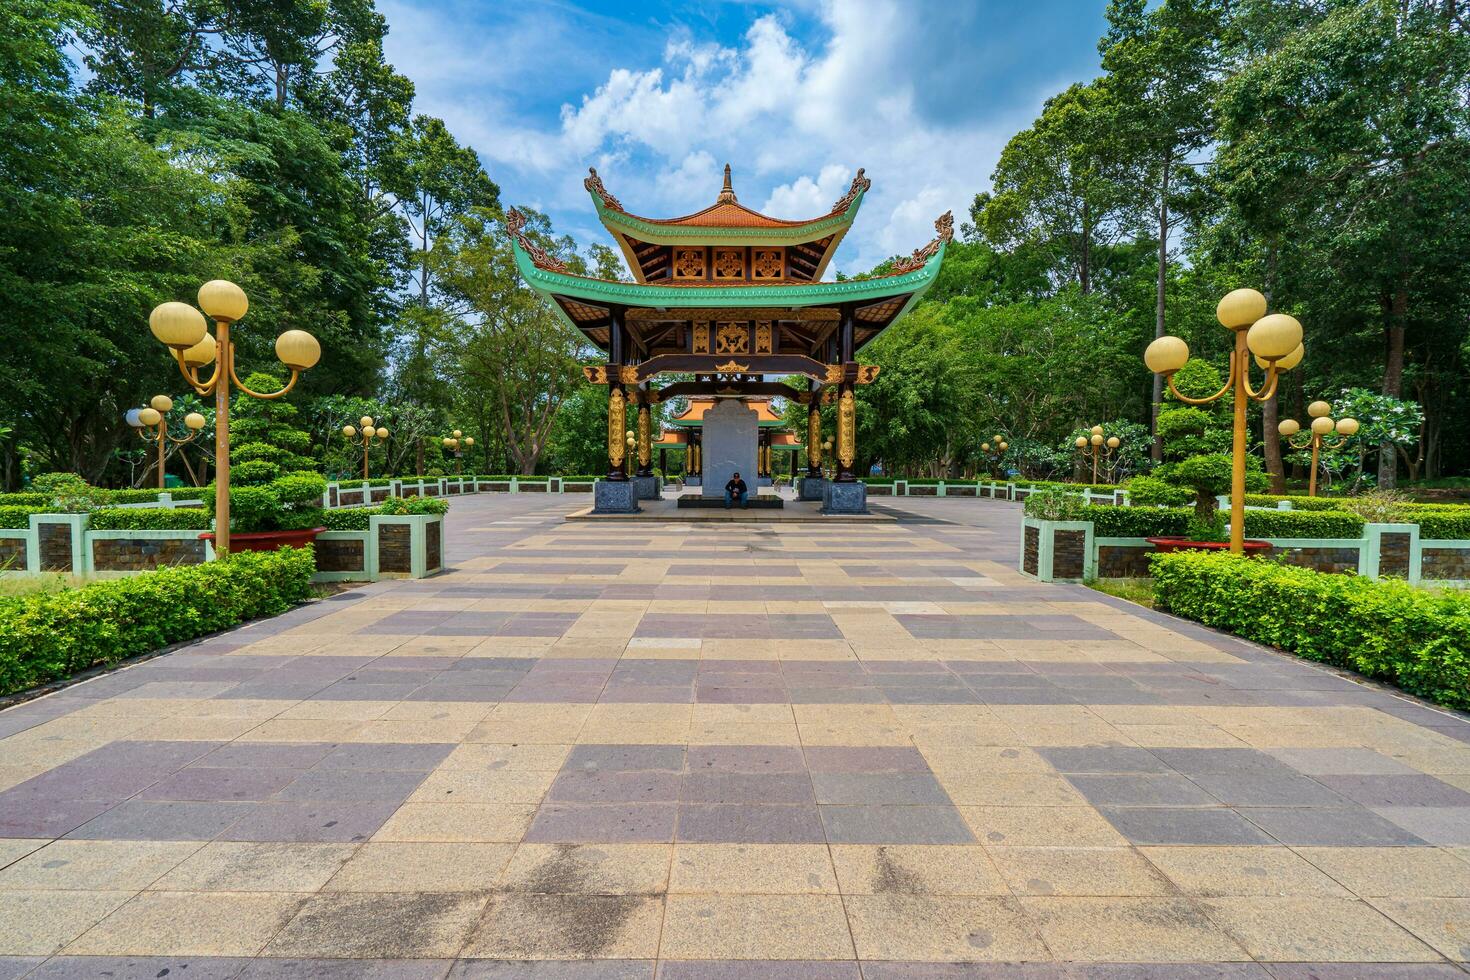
(804, 197)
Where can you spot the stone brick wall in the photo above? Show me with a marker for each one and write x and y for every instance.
(381, 493)
(13, 554)
(923, 490)
(143, 554)
(532, 487)
(880, 490)
(433, 546)
(1120, 561)
(576, 488)
(960, 491)
(1334, 560)
(55, 547)
(1444, 563)
(340, 555)
(453, 488)
(498, 486)
(395, 548)
(1393, 555)
(1069, 554)
(409, 491)
(1031, 551)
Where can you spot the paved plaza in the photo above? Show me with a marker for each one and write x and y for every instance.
(789, 750)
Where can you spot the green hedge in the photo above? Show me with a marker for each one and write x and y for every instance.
(24, 499)
(1136, 522)
(150, 519)
(1297, 503)
(1302, 524)
(1416, 638)
(18, 517)
(46, 636)
(1438, 522)
(356, 518)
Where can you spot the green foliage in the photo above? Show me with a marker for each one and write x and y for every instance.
(1208, 476)
(1435, 525)
(149, 519)
(1388, 630)
(1297, 503)
(1192, 431)
(1150, 491)
(1137, 522)
(58, 483)
(13, 516)
(289, 503)
(1055, 504)
(1302, 524)
(48, 636)
(24, 499)
(400, 506)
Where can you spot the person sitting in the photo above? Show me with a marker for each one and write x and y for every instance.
(735, 490)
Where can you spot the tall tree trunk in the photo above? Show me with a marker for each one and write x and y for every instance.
(1084, 276)
(1270, 413)
(1393, 374)
(1157, 451)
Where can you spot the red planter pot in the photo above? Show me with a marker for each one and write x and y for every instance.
(268, 540)
(1165, 545)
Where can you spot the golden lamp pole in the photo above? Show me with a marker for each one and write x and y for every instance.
(183, 329)
(368, 433)
(994, 450)
(1276, 342)
(1322, 426)
(152, 428)
(1094, 445)
(459, 442)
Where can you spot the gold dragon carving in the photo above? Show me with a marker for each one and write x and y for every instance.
(701, 337)
(594, 184)
(515, 226)
(732, 338)
(846, 428)
(617, 418)
(944, 231)
(645, 435)
(814, 437)
(859, 184)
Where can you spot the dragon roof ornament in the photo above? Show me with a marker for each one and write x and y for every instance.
(593, 183)
(515, 226)
(944, 231)
(859, 185)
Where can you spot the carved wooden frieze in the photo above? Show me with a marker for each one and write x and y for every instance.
(729, 263)
(767, 263)
(701, 337)
(688, 263)
(732, 338)
(763, 338)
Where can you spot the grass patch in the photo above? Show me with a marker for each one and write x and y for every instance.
(1136, 590)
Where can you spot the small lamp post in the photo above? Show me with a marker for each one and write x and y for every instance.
(368, 434)
(458, 443)
(826, 450)
(1098, 448)
(151, 427)
(183, 330)
(994, 451)
(1321, 427)
(1276, 342)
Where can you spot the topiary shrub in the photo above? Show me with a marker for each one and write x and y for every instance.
(288, 503)
(1055, 504)
(55, 483)
(1150, 491)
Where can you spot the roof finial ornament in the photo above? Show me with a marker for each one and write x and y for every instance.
(727, 193)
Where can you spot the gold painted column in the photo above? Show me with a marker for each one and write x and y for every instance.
(645, 437)
(846, 435)
(814, 439)
(617, 419)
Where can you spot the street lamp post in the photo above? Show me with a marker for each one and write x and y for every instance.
(368, 434)
(994, 451)
(183, 329)
(1322, 426)
(152, 428)
(458, 443)
(1094, 445)
(1276, 342)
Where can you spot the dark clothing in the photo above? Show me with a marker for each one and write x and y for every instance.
(735, 491)
(736, 485)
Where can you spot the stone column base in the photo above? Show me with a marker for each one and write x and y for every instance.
(844, 498)
(647, 487)
(615, 497)
(810, 487)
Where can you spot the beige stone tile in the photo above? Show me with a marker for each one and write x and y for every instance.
(1009, 789)
(481, 786)
(943, 929)
(12, 849)
(395, 867)
(742, 733)
(190, 924)
(620, 733)
(337, 711)
(752, 869)
(234, 866)
(1443, 923)
(39, 923)
(588, 869)
(196, 728)
(761, 927)
(874, 734)
(1181, 736)
(1393, 872)
(26, 751)
(451, 822)
(502, 757)
(562, 927)
(96, 865)
(304, 730)
(1041, 826)
(1094, 871)
(1217, 872)
(1315, 929)
(914, 869)
(438, 711)
(742, 714)
(380, 925)
(451, 730)
(1130, 929)
(981, 760)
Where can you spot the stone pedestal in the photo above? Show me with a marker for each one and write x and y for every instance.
(647, 487)
(844, 498)
(728, 446)
(810, 487)
(615, 497)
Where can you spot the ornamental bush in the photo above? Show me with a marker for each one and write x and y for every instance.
(12, 517)
(1297, 503)
(1137, 522)
(1056, 504)
(149, 519)
(1418, 639)
(1302, 524)
(1150, 491)
(46, 636)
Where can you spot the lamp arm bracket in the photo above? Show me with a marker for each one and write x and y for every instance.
(260, 394)
(203, 388)
(1268, 385)
(1186, 399)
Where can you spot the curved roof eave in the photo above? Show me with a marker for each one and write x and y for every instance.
(621, 223)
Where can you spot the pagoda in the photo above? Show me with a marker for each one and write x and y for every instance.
(735, 299)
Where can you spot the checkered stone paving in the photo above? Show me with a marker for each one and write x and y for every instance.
(683, 751)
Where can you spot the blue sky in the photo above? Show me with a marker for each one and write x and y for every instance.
(795, 96)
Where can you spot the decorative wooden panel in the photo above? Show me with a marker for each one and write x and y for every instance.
(688, 263)
(729, 263)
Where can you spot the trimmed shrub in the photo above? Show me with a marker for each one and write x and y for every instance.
(399, 506)
(12, 518)
(1451, 524)
(1297, 503)
(1137, 522)
(1302, 524)
(1055, 504)
(24, 499)
(1150, 491)
(1418, 639)
(132, 496)
(348, 518)
(149, 519)
(45, 636)
(52, 484)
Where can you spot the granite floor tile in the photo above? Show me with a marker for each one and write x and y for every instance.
(557, 927)
(190, 924)
(1329, 826)
(239, 866)
(155, 820)
(39, 923)
(940, 929)
(1184, 825)
(319, 821)
(140, 967)
(758, 927)
(1315, 929)
(883, 824)
(373, 925)
(749, 824)
(611, 823)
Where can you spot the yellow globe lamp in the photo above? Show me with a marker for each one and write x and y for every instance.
(1004, 446)
(194, 421)
(221, 299)
(448, 443)
(1166, 355)
(1081, 442)
(366, 421)
(1274, 337)
(1347, 427)
(161, 403)
(1114, 442)
(469, 440)
(1288, 427)
(201, 353)
(178, 325)
(457, 434)
(1097, 439)
(150, 417)
(298, 350)
(1322, 426)
(995, 439)
(1318, 409)
(350, 431)
(1097, 430)
(382, 432)
(985, 447)
(1240, 308)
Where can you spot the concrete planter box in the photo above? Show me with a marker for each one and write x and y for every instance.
(1055, 551)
